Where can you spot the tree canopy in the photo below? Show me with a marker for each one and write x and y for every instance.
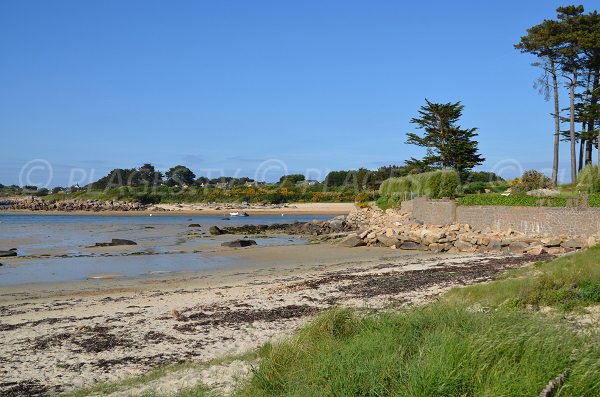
(448, 145)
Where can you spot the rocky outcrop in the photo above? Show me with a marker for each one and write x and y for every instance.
(37, 204)
(394, 229)
(337, 225)
(239, 243)
(11, 252)
(116, 242)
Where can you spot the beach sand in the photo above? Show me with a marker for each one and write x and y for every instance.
(58, 337)
(221, 209)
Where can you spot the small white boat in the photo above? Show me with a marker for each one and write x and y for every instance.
(238, 214)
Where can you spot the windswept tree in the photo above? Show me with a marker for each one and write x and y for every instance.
(544, 41)
(448, 145)
(569, 50)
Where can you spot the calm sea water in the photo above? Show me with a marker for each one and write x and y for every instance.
(53, 248)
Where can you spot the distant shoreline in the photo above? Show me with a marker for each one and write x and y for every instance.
(197, 209)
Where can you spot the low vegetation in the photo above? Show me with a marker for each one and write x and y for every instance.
(435, 184)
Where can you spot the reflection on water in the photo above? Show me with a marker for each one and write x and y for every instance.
(55, 248)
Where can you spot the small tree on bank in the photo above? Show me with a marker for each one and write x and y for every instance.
(448, 145)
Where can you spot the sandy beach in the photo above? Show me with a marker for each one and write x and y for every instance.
(58, 337)
(220, 209)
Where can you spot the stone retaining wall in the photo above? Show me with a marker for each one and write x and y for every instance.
(433, 212)
(532, 220)
(553, 221)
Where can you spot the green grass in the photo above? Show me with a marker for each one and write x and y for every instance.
(439, 350)
(476, 341)
(565, 283)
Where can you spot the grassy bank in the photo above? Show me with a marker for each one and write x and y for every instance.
(489, 339)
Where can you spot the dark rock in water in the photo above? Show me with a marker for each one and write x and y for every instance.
(1, 265)
(194, 225)
(148, 227)
(410, 245)
(4, 254)
(353, 241)
(120, 241)
(115, 242)
(239, 243)
(215, 231)
(225, 219)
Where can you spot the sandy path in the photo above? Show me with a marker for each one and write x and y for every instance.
(56, 338)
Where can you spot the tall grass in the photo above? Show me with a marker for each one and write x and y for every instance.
(435, 184)
(589, 179)
(439, 350)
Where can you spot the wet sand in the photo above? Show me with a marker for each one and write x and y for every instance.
(63, 336)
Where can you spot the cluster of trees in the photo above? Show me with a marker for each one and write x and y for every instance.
(568, 52)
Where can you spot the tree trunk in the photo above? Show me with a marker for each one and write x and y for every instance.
(556, 123)
(572, 127)
(582, 149)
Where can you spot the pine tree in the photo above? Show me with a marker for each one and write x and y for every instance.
(448, 145)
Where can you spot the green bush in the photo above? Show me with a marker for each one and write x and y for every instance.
(589, 179)
(512, 201)
(532, 180)
(435, 184)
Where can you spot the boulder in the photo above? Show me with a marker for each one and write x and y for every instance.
(4, 254)
(409, 245)
(387, 241)
(574, 243)
(215, 231)
(239, 243)
(518, 247)
(194, 225)
(122, 241)
(551, 242)
(464, 246)
(352, 241)
(537, 250)
(495, 244)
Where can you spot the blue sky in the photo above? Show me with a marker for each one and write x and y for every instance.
(257, 88)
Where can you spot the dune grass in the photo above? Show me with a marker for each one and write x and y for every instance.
(566, 283)
(476, 341)
(439, 350)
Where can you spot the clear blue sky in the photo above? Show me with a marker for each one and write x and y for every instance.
(223, 86)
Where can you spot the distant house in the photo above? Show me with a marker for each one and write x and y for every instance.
(309, 182)
(222, 185)
(254, 184)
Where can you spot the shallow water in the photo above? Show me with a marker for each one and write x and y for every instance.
(56, 248)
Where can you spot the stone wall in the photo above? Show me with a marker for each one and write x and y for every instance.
(581, 222)
(432, 212)
(532, 220)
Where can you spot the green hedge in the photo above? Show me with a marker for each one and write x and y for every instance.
(435, 184)
(513, 201)
(594, 200)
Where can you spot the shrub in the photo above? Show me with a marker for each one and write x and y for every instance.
(435, 184)
(589, 179)
(531, 180)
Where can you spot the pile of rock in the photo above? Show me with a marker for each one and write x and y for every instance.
(335, 227)
(37, 204)
(390, 229)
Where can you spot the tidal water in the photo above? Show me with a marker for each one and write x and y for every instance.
(56, 248)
